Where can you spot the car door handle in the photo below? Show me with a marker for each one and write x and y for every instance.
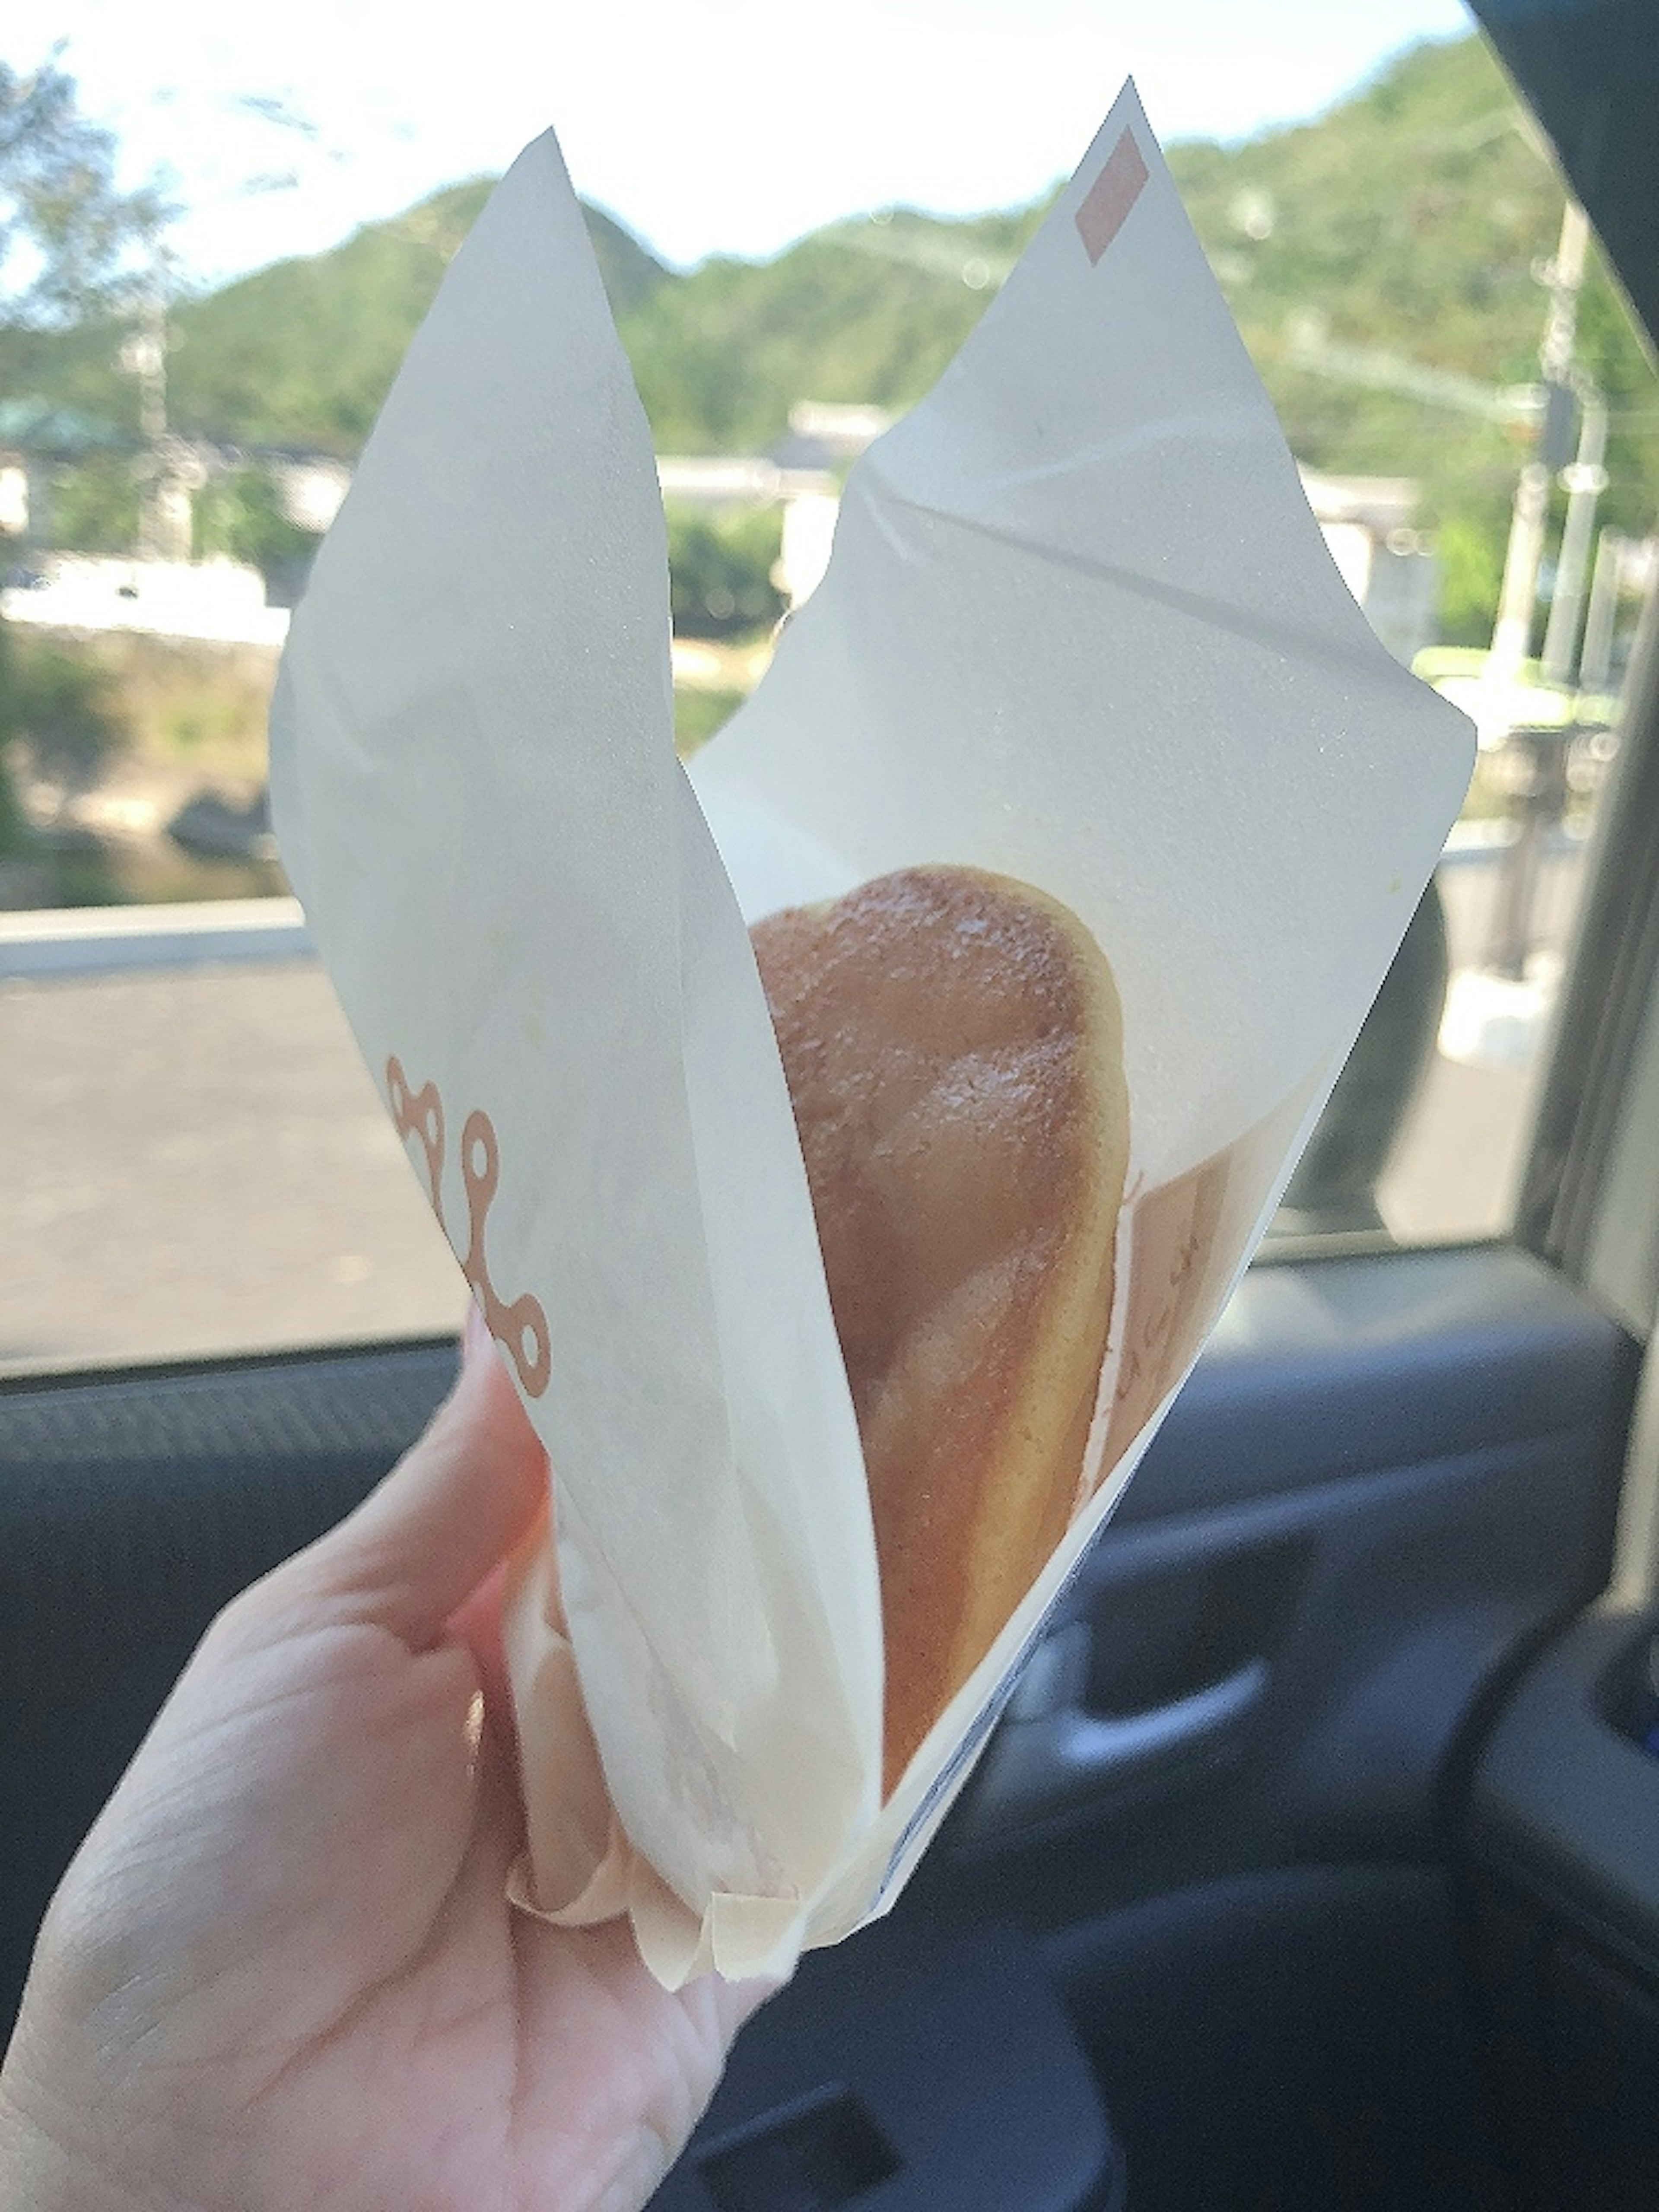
(1052, 1755)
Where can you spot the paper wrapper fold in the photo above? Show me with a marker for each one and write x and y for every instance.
(1079, 628)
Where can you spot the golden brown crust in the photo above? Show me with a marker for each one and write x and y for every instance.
(953, 1046)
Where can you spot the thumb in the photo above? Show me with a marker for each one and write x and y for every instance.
(422, 1542)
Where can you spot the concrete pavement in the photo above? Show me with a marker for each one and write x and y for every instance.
(197, 1163)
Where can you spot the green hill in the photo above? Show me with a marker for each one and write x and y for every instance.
(868, 311)
(1390, 242)
(1397, 235)
(302, 353)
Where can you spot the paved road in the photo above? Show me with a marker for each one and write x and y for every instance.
(1470, 885)
(1457, 1168)
(196, 1162)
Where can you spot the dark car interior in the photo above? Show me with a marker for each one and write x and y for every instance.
(1315, 1867)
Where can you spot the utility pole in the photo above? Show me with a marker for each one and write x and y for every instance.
(144, 358)
(168, 470)
(150, 367)
(1539, 755)
(1564, 276)
(1585, 480)
(1595, 662)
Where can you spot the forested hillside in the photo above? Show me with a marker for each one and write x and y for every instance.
(1394, 242)
(1380, 260)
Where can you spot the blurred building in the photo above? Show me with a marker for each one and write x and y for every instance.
(1386, 561)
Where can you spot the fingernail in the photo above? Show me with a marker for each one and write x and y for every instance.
(475, 1335)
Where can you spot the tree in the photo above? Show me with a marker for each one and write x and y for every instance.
(241, 514)
(71, 240)
(12, 826)
(61, 706)
(720, 569)
(94, 505)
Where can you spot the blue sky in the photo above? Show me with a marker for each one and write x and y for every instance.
(731, 126)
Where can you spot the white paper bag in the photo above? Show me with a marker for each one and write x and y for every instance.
(1079, 628)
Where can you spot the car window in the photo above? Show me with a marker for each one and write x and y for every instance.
(197, 1163)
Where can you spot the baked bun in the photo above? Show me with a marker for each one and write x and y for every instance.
(953, 1046)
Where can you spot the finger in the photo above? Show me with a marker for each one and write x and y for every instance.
(421, 1544)
(478, 1623)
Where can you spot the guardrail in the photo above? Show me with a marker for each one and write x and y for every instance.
(45, 942)
(105, 940)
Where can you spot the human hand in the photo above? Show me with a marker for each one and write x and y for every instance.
(282, 1971)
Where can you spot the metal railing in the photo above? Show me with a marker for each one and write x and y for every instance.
(65, 941)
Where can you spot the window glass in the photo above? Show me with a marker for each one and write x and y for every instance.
(196, 1161)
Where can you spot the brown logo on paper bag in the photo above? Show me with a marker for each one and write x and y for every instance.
(521, 1327)
(420, 1115)
(1111, 196)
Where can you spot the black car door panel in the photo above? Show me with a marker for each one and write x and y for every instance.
(1388, 1478)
